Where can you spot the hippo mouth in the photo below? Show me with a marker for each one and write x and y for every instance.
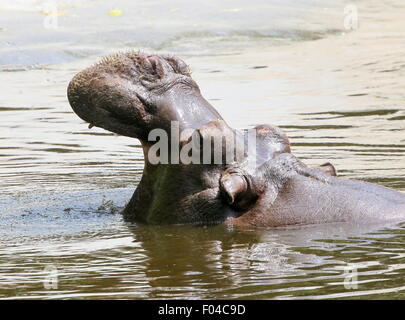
(110, 120)
(132, 93)
(109, 99)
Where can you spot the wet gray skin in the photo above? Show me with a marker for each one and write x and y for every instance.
(132, 93)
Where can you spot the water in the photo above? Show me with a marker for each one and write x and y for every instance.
(338, 94)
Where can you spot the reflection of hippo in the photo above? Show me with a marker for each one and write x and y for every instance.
(207, 260)
(131, 94)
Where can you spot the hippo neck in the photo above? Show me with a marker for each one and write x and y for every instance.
(163, 196)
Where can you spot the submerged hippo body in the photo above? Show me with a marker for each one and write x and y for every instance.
(132, 94)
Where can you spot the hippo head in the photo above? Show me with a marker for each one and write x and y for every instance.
(134, 94)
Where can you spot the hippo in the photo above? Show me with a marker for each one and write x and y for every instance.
(133, 94)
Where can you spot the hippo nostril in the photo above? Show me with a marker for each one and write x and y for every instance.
(151, 66)
(182, 68)
(156, 66)
(153, 62)
(146, 63)
(178, 66)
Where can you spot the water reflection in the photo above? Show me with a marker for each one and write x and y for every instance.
(100, 256)
(219, 262)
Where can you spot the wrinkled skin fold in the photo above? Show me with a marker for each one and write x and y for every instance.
(132, 94)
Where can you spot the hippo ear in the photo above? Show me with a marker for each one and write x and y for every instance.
(238, 191)
(328, 169)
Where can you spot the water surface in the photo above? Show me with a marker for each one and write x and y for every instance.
(338, 94)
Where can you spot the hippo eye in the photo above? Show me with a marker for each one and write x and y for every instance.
(232, 186)
(238, 191)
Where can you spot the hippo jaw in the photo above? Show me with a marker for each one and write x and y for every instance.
(132, 93)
